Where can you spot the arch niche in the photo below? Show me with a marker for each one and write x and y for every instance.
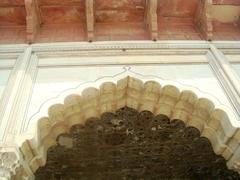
(133, 130)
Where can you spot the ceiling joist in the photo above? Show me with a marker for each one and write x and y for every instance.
(151, 18)
(33, 19)
(90, 19)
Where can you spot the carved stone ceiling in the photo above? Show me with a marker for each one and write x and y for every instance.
(133, 145)
(82, 20)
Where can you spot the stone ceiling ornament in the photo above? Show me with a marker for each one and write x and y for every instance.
(157, 108)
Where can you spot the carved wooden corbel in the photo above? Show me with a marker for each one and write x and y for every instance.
(203, 20)
(33, 19)
(90, 19)
(151, 18)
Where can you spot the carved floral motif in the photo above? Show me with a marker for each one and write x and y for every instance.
(10, 166)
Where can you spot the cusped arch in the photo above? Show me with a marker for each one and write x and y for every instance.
(168, 100)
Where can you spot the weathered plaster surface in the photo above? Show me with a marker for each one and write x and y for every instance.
(177, 8)
(227, 2)
(225, 14)
(79, 3)
(62, 15)
(12, 2)
(101, 20)
(12, 16)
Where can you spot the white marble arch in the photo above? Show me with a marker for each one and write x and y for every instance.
(214, 120)
(221, 127)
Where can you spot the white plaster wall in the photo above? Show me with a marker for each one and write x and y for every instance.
(4, 75)
(236, 67)
(6, 65)
(197, 75)
(54, 80)
(234, 60)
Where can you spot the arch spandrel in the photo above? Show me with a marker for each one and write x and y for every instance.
(205, 114)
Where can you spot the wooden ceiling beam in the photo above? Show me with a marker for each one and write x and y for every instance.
(203, 20)
(33, 19)
(90, 19)
(151, 18)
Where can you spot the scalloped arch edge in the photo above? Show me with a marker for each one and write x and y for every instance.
(213, 123)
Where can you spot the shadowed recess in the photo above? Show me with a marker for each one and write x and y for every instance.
(133, 145)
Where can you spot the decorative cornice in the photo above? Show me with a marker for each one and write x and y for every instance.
(120, 45)
(227, 44)
(13, 48)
